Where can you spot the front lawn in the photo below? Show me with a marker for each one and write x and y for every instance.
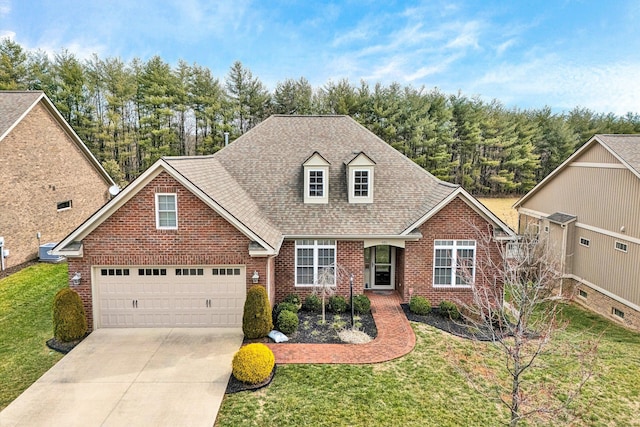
(25, 326)
(426, 388)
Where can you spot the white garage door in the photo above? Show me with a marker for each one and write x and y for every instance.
(145, 296)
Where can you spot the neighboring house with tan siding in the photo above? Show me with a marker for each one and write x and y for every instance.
(280, 207)
(589, 208)
(49, 181)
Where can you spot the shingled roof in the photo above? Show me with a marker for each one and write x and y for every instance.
(262, 180)
(13, 106)
(627, 147)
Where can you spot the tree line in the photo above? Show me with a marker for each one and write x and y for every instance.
(131, 113)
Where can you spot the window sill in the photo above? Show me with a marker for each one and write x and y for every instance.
(453, 286)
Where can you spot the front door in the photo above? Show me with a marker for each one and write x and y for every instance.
(379, 269)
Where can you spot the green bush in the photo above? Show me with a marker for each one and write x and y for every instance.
(69, 319)
(450, 310)
(361, 304)
(287, 322)
(419, 305)
(312, 303)
(293, 299)
(337, 304)
(256, 320)
(282, 307)
(253, 363)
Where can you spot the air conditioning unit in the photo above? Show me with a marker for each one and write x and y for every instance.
(45, 255)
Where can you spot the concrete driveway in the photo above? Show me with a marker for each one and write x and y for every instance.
(133, 377)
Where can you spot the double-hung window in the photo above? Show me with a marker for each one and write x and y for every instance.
(361, 183)
(316, 183)
(454, 262)
(315, 262)
(166, 211)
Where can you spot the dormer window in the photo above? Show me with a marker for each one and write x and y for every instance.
(360, 178)
(316, 179)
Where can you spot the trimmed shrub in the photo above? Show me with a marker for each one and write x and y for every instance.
(293, 299)
(419, 305)
(361, 304)
(312, 303)
(282, 307)
(450, 310)
(287, 322)
(337, 304)
(256, 319)
(253, 363)
(69, 319)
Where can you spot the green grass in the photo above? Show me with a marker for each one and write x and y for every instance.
(25, 326)
(427, 388)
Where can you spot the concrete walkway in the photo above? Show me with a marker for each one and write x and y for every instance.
(133, 377)
(395, 339)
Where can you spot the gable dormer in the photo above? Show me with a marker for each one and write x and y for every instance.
(316, 179)
(360, 181)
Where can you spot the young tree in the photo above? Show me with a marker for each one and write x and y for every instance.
(13, 65)
(523, 326)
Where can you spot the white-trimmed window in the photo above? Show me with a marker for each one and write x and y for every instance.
(63, 206)
(584, 241)
(166, 211)
(621, 246)
(317, 183)
(454, 262)
(361, 183)
(315, 262)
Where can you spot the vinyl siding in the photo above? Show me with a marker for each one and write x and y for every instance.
(606, 267)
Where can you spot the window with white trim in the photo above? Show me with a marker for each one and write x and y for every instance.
(361, 183)
(62, 206)
(316, 183)
(454, 262)
(585, 242)
(315, 262)
(622, 247)
(166, 211)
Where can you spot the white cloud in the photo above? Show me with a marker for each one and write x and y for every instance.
(6, 34)
(5, 7)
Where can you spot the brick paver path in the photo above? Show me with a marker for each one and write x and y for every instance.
(395, 339)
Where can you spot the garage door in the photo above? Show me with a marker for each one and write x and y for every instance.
(153, 296)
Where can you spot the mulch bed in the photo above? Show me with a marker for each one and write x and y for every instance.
(455, 327)
(235, 386)
(63, 347)
(9, 271)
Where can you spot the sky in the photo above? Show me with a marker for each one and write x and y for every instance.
(526, 54)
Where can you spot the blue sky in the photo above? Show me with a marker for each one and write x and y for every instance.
(526, 54)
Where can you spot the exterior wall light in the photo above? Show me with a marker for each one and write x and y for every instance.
(256, 277)
(75, 280)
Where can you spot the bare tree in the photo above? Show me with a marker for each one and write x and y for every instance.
(519, 314)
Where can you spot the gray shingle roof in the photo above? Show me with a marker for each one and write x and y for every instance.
(13, 104)
(625, 146)
(561, 218)
(259, 179)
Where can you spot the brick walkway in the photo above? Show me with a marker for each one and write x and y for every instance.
(395, 339)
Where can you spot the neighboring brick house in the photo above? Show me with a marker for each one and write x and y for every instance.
(588, 209)
(49, 181)
(295, 199)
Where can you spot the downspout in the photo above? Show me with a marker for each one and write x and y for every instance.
(1, 253)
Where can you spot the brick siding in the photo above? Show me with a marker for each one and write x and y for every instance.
(40, 165)
(129, 237)
(600, 303)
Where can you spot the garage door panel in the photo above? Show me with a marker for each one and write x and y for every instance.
(170, 296)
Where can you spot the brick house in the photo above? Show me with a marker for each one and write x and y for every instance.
(588, 210)
(49, 181)
(294, 201)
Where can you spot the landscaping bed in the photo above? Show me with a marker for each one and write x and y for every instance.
(455, 327)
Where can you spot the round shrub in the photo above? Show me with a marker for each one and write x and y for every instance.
(253, 363)
(69, 320)
(361, 304)
(312, 303)
(419, 305)
(293, 299)
(287, 322)
(337, 304)
(256, 319)
(282, 307)
(450, 310)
